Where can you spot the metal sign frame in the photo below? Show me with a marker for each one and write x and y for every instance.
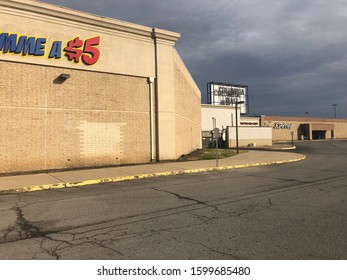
(228, 94)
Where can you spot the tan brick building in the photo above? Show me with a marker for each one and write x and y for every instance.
(79, 90)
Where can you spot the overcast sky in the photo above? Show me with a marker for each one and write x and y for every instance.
(292, 54)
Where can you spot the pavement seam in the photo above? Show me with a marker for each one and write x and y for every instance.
(141, 176)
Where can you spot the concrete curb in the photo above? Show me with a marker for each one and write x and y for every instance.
(285, 148)
(269, 149)
(140, 176)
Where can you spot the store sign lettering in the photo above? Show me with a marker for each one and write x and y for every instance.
(282, 126)
(76, 50)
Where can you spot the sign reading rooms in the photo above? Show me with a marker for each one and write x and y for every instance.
(75, 50)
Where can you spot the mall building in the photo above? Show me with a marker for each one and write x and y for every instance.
(227, 109)
(304, 128)
(80, 90)
(264, 130)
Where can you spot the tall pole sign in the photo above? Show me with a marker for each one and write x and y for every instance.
(228, 95)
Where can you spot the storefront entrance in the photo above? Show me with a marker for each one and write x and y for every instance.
(322, 131)
(318, 134)
(304, 131)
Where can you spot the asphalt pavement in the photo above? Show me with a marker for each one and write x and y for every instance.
(79, 178)
(289, 211)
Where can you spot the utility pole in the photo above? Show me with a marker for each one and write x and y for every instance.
(237, 123)
(216, 134)
(334, 105)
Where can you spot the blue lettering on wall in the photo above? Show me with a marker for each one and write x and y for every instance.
(8, 42)
(55, 50)
(40, 46)
(77, 50)
(24, 45)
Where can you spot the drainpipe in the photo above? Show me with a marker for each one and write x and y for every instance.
(151, 109)
(156, 87)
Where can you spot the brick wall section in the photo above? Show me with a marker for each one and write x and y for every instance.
(340, 130)
(91, 119)
(188, 110)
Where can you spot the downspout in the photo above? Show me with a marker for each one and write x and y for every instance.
(151, 109)
(156, 109)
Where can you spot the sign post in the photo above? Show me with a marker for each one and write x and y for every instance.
(216, 135)
(292, 134)
(237, 126)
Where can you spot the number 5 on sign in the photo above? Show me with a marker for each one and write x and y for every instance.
(90, 54)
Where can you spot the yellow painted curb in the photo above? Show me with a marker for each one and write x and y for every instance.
(141, 176)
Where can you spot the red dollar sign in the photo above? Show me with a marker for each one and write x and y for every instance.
(72, 51)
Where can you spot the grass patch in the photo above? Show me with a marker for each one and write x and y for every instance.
(204, 154)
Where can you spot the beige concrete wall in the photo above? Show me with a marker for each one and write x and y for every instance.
(187, 110)
(225, 116)
(340, 130)
(261, 136)
(166, 101)
(91, 119)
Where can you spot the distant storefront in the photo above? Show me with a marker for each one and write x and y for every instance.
(80, 90)
(305, 128)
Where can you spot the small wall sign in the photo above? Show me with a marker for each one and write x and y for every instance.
(282, 126)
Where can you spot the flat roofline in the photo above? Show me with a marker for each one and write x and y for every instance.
(301, 119)
(216, 106)
(52, 10)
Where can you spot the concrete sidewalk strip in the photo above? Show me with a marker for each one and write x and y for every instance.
(77, 178)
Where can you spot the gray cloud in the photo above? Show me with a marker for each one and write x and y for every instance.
(291, 53)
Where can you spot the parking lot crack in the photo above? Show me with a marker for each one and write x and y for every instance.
(21, 228)
(225, 254)
(269, 204)
(181, 196)
(191, 199)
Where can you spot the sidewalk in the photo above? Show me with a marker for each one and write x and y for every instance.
(78, 178)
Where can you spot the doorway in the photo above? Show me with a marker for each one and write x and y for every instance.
(304, 131)
(318, 134)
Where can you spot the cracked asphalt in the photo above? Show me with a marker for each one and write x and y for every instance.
(289, 211)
